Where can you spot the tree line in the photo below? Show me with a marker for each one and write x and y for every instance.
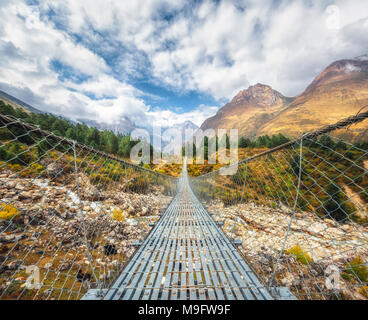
(104, 140)
(259, 142)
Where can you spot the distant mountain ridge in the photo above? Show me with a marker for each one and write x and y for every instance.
(17, 103)
(337, 92)
(183, 131)
(122, 125)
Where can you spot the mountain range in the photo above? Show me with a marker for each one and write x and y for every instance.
(16, 103)
(183, 131)
(341, 90)
(123, 125)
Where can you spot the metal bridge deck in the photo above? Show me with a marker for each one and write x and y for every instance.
(186, 256)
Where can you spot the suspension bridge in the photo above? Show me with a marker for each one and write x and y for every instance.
(77, 223)
(186, 256)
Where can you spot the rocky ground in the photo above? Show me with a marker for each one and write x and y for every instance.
(325, 242)
(54, 227)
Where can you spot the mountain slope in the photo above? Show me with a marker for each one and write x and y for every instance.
(341, 90)
(248, 110)
(16, 103)
(338, 92)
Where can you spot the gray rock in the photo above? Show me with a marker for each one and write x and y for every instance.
(54, 170)
(19, 186)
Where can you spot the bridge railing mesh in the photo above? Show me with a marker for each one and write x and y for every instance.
(300, 212)
(70, 216)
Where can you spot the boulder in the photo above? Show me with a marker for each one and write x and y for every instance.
(320, 253)
(317, 227)
(19, 186)
(11, 184)
(54, 170)
(25, 195)
(91, 193)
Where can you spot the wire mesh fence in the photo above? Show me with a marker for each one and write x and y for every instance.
(301, 213)
(70, 216)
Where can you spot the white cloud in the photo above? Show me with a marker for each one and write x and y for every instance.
(285, 47)
(26, 67)
(216, 49)
(351, 68)
(168, 118)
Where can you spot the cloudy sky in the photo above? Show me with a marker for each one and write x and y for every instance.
(164, 62)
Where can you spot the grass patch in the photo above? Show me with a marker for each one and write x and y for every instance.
(356, 268)
(299, 254)
(7, 211)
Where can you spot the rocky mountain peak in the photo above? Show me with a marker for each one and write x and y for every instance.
(342, 70)
(189, 125)
(258, 94)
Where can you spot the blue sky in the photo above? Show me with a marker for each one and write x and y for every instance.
(165, 62)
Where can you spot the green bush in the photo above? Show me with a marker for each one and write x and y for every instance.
(238, 177)
(230, 198)
(336, 206)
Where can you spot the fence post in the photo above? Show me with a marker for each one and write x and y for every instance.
(245, 181)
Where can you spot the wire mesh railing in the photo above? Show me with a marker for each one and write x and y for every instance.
(300, 212)
(70, 216)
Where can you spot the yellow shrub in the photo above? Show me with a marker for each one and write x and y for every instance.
(7, 211)
(54, 154)
(364, 291)
(36, 168)
(117, 214)
(357, 268)
(299, 254)
(15, 167)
